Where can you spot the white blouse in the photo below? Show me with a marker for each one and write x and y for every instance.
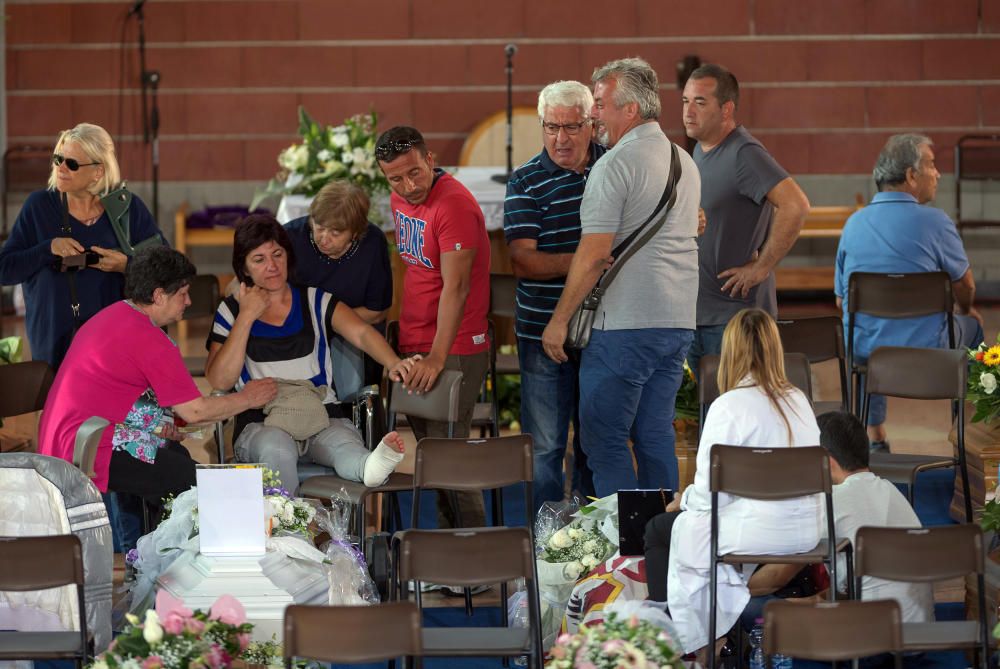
(743, 416)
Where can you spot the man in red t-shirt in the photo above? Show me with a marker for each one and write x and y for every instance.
(441, 236)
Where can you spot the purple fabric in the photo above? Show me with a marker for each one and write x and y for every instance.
(226, 216)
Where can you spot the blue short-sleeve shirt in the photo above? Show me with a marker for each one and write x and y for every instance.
(896, 234)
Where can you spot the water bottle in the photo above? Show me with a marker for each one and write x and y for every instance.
(756, 645)
(757, 650)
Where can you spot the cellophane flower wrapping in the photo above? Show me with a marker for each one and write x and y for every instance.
(350, 582)
(570, 541)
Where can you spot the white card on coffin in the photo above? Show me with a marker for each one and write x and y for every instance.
(230, 510)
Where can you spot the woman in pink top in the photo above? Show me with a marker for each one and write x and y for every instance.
(121, 355)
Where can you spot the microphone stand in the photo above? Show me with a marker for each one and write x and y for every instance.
(150, 82)
(509, 50)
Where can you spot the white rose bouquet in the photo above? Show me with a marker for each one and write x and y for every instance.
(284, 513)
(326, 153)
(568, 551)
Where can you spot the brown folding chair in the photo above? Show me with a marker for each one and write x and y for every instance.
(820, 339)
(24, 387)
(833, 631)
(362, 633)
(772, 474)
(474, 465)
(894, 296)
(924, 556)
(923, 374)
(503, 299)
(39, 563)
(796, 370)
(470, 557)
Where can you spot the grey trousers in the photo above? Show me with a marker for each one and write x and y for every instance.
(339, 446)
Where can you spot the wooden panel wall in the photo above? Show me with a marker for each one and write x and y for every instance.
(824, 82)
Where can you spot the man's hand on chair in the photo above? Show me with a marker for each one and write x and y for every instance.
(424, 374)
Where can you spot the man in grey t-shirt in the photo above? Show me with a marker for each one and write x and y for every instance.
(630, 372)
(754, 209)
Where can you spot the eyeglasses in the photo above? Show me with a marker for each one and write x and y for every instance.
(569, 128)
(71, 163)
(390, 150)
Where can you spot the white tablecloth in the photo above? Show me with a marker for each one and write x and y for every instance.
(488, 193)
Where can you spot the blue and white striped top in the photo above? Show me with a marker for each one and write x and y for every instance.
(543, 203)
(297, 349)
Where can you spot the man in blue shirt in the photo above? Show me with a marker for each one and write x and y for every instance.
(542, 228)
(896, 233)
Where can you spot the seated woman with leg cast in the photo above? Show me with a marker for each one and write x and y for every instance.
(271, 328)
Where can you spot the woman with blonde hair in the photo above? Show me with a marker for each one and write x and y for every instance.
(757, 408)
(63, 248)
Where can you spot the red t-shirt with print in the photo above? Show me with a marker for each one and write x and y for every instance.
(449, 219)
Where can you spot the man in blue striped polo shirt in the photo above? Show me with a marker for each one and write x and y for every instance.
(542, 227)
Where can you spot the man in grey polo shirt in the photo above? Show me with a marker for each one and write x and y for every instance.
(630, 372)
(754, 209)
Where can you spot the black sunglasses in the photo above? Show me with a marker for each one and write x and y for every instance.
(390, 150)
(58, 159)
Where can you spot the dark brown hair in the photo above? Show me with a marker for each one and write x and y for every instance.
(251, 232)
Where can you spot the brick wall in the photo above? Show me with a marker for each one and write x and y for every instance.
(824, 82)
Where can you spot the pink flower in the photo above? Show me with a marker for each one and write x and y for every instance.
(227, 609)
(167, 604)
(216, 657)
(152, 662)
(611, 645)
(173, 623)
(194, 626)
(244, 640)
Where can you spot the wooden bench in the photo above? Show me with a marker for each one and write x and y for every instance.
(821, 223)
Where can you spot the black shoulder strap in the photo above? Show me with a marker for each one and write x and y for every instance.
(74, 297)
(659, 214)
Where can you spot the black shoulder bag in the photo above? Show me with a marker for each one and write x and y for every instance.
(582, 322)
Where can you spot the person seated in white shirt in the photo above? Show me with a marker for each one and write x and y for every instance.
(758, 408)
(860, 498)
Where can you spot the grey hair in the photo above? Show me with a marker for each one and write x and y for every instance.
(565, 94)
(900, 153)
(96, 143)
(637, 83)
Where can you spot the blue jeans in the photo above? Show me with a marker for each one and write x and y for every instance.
(125, 516)
(628, 385)
(707, 341)
(549, 402)
(968, 334)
